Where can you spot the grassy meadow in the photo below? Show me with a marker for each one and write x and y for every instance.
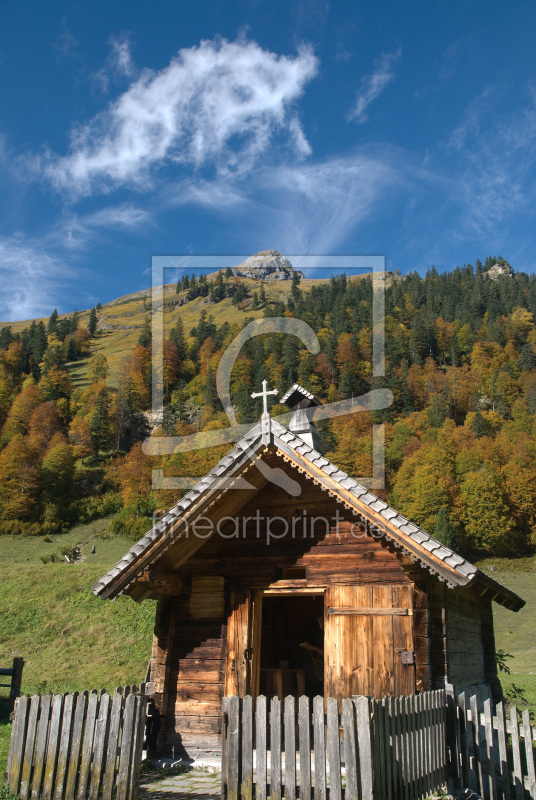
(515, 633)
(69, 639)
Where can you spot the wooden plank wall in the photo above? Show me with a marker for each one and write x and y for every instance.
(247, 554)
(160, 669)
(465, 653)
(438, 633)
(195, 683)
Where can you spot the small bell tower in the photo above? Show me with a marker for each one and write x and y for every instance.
(302, 404)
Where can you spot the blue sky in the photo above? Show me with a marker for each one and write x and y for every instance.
(133, 129)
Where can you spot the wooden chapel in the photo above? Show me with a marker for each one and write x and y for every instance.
(280, 574)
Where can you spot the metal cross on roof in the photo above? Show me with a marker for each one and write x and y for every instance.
(264, 394)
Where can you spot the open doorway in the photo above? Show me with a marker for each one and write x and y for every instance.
(292, 645)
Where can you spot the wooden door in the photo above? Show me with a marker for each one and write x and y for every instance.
(368, 629)
(243, 643)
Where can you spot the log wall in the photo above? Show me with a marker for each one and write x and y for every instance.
(295, 550)
(465, 652)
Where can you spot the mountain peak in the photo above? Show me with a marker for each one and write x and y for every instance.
(268, 265)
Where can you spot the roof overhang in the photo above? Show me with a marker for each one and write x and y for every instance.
(243, 468)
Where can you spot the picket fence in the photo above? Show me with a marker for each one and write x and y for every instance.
(393, 748)
(490, 758)
(77, 746)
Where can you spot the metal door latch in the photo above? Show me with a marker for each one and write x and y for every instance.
(408, 657)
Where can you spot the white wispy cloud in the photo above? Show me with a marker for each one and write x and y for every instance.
(119, 63)
(217, 104)
(35, 269)
(374, 84)
(30, 277)
(495, 162)
(303, 207)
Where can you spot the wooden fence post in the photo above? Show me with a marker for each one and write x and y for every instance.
(453, 742)
(364, 739)
(52, 746)
(74, 761)
(224, 729)
(516, 751)
(503, 752)
(233, 748)
(305, 748)
(16, 745)
(65, 740)
(529, 752)
(137, 745)
(320, 748)
(247, 748)
(113, 744)
(275, 749)
(29, 748)
(334, 749)
(290, 748)
(350, 749)
(261, 745)
(41, 746)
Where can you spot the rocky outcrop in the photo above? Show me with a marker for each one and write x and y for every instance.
(498, 270)
(268, 265)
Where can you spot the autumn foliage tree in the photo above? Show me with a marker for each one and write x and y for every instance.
(19, 481)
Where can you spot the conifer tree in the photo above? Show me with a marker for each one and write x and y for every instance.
(92, 323)
(527, 359)
(210, 395)
(145, 336)
(295, 292)
(177, 337)
(244, 404)
(479, 425)
(240, 294)
(6, 337)
(444, 531)
(52, 325)
(346, 382)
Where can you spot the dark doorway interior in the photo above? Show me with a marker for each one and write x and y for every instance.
(292, 646)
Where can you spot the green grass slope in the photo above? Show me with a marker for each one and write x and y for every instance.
(69, 639)
(515, 633)
(120, 320)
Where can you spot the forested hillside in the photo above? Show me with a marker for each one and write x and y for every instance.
(460, 361)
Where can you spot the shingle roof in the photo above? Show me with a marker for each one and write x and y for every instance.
(376, 513)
